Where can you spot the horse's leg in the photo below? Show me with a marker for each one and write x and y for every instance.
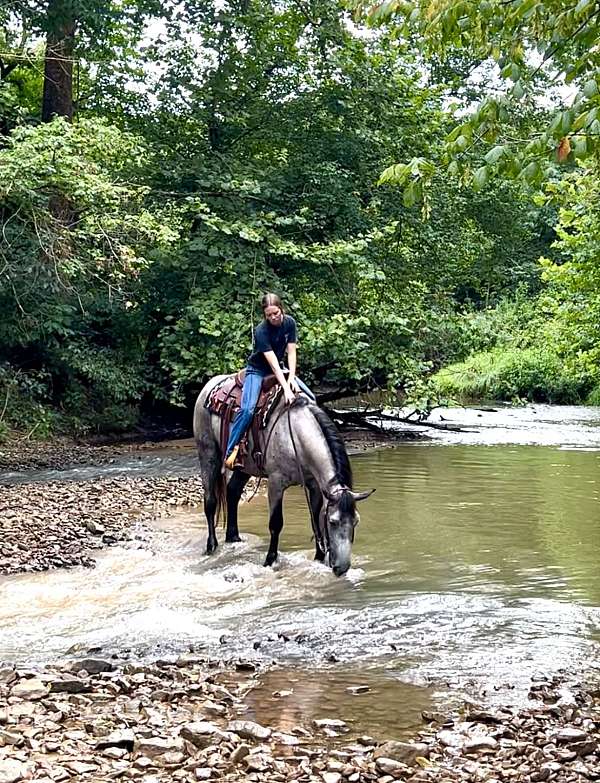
(236, 485)
(275, 518)
(315, 505)
(211, 476)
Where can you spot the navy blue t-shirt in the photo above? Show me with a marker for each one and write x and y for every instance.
(272, 338)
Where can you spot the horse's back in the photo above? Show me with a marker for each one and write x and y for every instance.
(202, 416)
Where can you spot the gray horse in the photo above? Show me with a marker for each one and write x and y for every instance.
(302, 447)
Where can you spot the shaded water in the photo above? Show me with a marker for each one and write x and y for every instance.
(474, 567)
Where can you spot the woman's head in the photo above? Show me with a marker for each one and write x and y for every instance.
(272, 309)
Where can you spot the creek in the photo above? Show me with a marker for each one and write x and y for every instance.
(475, 568)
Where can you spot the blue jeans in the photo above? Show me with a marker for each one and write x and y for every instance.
(243, 418)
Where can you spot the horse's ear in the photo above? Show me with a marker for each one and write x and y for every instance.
(362, 495)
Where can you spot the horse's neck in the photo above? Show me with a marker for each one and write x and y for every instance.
(315, 454)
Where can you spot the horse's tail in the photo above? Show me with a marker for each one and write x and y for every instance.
(221, 498)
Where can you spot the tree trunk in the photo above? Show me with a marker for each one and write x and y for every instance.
(58, 66)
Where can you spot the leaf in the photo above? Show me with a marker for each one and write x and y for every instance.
(480, 177)
(590, 88)
(563, 149)
(517, 90)
(494, 155)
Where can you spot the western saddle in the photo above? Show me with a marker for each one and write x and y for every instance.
(225, 400)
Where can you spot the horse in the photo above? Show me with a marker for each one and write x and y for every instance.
(301, 446)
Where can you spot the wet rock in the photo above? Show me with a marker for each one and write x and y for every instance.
(333, 724)
(70, 685)
(93, 665)
(356, 689)
(203, 773)
(247, 729)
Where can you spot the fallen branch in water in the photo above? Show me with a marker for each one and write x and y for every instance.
(361, 418)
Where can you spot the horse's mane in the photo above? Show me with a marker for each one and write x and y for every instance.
(339, 455)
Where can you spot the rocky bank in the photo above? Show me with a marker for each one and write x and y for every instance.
(185, 720)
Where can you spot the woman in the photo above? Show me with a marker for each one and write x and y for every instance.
(273, 338)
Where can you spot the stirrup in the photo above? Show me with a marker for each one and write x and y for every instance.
(232, 458)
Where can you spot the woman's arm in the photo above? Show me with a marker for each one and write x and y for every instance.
(274, 365)
(292, 356)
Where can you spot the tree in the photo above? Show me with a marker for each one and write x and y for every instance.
(530, 41)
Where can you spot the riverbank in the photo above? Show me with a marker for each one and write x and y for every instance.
(189, 719)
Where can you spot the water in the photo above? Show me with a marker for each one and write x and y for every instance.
(475, 567)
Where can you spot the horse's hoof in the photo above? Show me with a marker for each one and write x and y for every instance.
(233, 539)
(269, 560)
(211, 547)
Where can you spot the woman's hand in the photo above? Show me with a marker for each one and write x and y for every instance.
(288, 394)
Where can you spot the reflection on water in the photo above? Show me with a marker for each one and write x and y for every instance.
(474, 567)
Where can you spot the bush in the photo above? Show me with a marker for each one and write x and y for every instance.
(532, 373)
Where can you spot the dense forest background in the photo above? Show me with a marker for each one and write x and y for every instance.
(418, 180)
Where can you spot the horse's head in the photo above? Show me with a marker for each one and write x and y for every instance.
(340, 518)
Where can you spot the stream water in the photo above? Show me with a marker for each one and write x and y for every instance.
(475, 568)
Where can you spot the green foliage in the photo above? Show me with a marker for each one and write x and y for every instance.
(508, 373)
(136, 242)
(493, 139)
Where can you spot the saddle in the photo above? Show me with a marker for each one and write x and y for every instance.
(225, 400)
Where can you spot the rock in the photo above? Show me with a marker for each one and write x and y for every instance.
(356, 689)
(121, 738)
(11, 738)
(93, 666)
(331, 777)
(202, 733)
(143, 762)
(584, 748)
(333, 724)
(451, 739)
(202, 773)
(156, 746)
(405, 752)
(239, 753)
(389, 766)
(480, 742)
(7, 675)
(11, 770)
(70, 685)
(258, 762)
(568, 734)
(247, 729)
(114, 753)
(80, 767)
(32, 689)
(95, 529)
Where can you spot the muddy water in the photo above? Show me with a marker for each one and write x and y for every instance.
(475, 568)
